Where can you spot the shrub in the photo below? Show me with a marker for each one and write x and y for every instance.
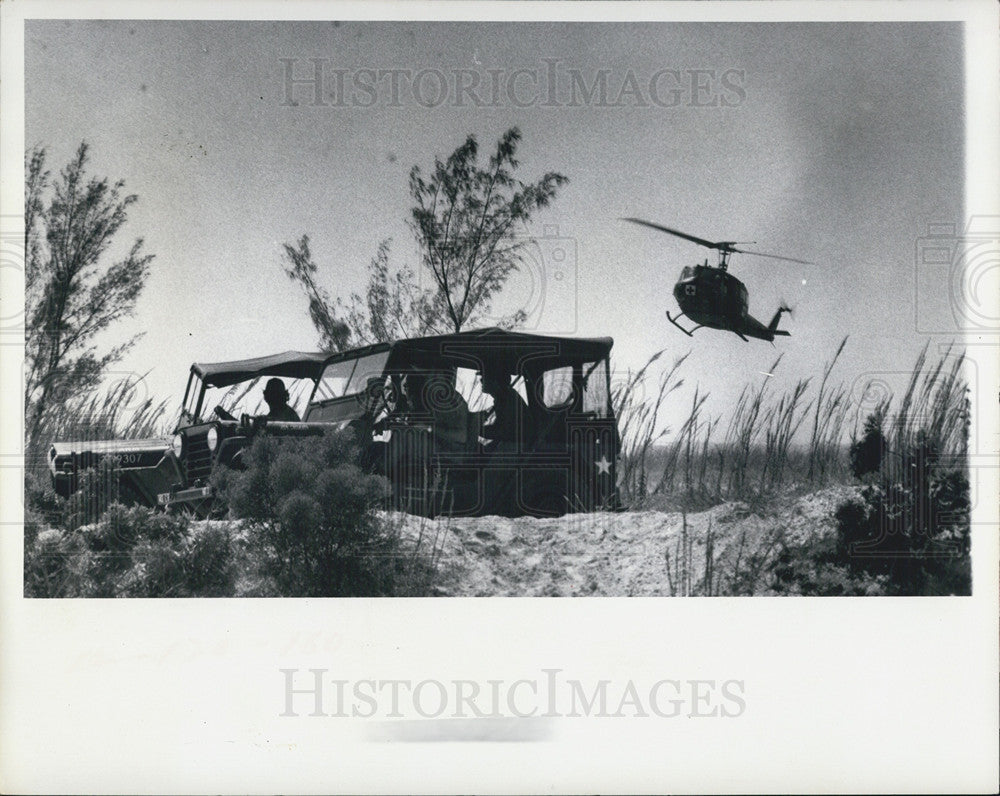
(313, 526)
(40, 499)
(210, 564)
(866, 454)
(131, 552)
(155, 569)
(47, 560)
(42, 507)
(811, 569)
(915, 533)
(97, 489)
(911, 522)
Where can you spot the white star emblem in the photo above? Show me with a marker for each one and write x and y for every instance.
(603, 466)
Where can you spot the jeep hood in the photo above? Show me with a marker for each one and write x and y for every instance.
(110, 446)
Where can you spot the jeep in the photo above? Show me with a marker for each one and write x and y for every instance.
(147, 468)
(480, 422)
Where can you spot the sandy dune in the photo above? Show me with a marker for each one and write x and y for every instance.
(618, 554)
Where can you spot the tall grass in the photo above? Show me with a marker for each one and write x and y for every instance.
(638, 421)
(744, 430)
(679, 461)
(781, 423)
(774, 440)
(934, 412)
(755, 456)
(930, 421)
(910, 522)
(831, 410)
(738, 569)
(119, 412)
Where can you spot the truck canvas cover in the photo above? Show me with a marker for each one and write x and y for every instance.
(290, 364)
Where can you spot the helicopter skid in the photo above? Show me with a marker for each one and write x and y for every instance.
(674, 322)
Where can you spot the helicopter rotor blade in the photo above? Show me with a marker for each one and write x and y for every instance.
(700, 241)
(727, 246)
(772, 256)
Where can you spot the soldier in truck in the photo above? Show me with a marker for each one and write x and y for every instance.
(509, 423)
(277, 402)
(433, 392)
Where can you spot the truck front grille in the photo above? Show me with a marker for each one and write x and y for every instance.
(198, 458)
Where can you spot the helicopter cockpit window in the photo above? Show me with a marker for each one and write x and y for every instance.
(687, 273)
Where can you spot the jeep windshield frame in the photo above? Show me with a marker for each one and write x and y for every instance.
(299, 365)
(346, 374)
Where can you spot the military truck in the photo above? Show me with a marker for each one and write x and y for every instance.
(480, 422)
(146, 468)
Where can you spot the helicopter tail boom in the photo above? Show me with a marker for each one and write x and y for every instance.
(772, 327)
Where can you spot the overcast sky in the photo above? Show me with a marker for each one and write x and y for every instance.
(838, 143)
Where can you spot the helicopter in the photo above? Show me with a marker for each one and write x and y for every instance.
(710, 296)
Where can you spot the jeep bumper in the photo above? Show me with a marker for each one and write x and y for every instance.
(193, 495)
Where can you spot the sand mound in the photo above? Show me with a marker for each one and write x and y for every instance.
(619, 554)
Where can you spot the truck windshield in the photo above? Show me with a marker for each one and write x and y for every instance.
(247, 397)
(348, 376)
(558, 387)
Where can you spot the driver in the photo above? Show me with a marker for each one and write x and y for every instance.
(277, 402)
(434, 392)
(511, 419)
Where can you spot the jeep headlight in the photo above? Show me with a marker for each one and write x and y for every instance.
(177, 445)
(212, 438)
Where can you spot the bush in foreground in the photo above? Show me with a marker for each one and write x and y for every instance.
(309, 525)
(916, 533)
(911, 523)
(813, 568)
(312, 521)
(131, 552)
(866, 454)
